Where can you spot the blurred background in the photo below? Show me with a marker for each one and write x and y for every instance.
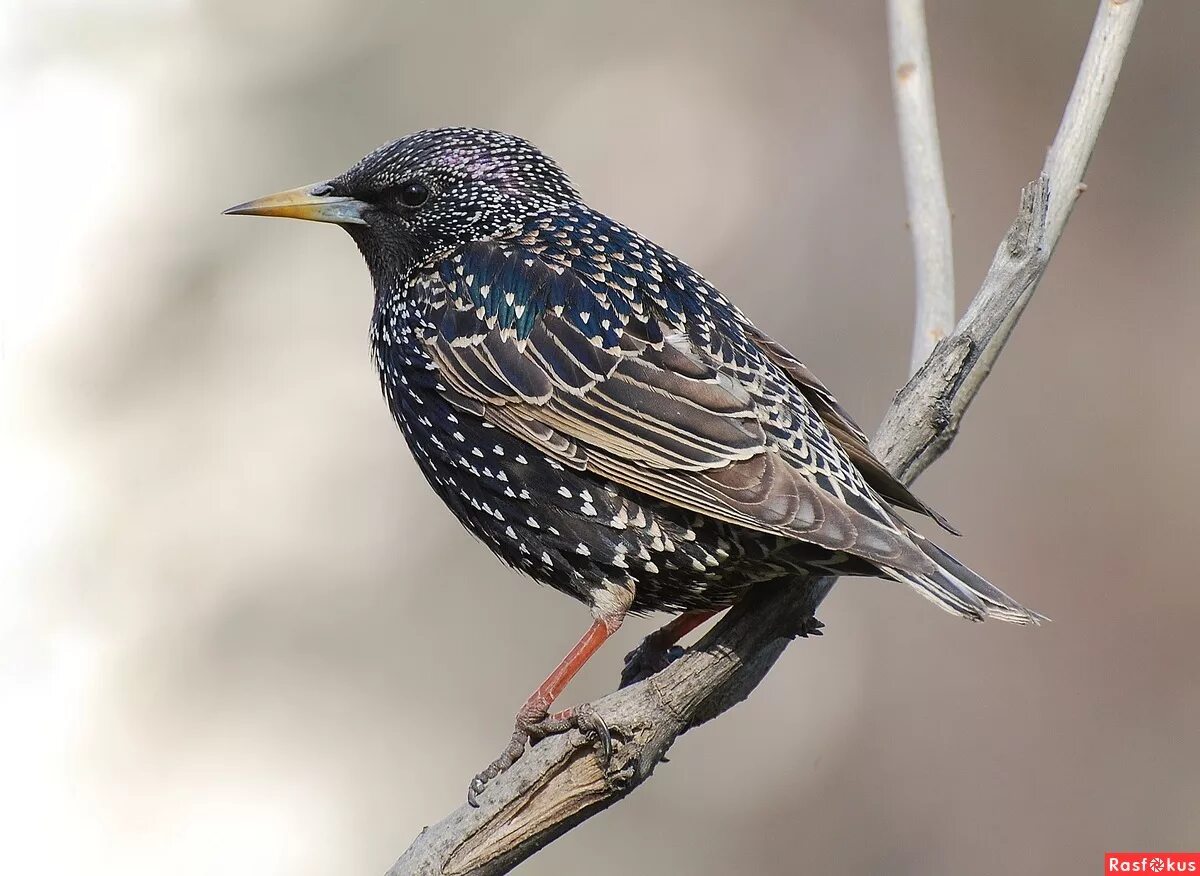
(239, 635)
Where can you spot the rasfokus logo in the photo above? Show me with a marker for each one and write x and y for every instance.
(1152, 862)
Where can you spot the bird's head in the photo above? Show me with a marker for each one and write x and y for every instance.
(426, 194)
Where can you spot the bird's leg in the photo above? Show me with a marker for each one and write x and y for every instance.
(656, 651)
(534, 723)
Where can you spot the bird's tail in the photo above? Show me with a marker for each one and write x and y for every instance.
(956, 589)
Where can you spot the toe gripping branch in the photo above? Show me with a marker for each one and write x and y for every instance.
(583, 718)
(533, 721)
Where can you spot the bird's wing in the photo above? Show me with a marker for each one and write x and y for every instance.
(589, 369)
(842, 426)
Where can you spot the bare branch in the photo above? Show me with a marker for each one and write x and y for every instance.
(928, 209)
(1022, 256)
(558, 783)
(1076, 138)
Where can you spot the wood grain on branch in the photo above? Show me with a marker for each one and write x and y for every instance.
(559, 783)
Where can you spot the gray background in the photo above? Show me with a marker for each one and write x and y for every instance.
(240, 635)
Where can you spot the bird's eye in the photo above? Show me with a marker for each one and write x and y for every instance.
(413, 193)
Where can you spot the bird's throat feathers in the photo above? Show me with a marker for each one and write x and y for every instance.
(389, 257)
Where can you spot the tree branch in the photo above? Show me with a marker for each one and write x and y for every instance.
(559, 783)
(1008, 286)
(1071, 151)
(924, 183)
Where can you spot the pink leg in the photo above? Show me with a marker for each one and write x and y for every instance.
(532, 720)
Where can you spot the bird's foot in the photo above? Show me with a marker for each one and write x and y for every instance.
(531, 728)
(658, 650)
(648, 658)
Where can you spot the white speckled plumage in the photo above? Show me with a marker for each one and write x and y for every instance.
(609, 381)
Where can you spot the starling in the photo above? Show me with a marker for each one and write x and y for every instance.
(597, 413)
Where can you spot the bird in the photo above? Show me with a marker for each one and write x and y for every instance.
(598, 414)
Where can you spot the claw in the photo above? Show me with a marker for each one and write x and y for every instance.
(511, 754)
(475, 789)
(589, 722)
(583, 718)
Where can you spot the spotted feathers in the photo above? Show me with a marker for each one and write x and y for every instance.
(600, 415)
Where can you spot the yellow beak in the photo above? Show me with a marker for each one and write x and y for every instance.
(306, 202)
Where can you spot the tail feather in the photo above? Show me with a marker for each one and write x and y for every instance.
(959, 590)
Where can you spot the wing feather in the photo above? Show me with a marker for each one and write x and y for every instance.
(842, 426)
(612, 389)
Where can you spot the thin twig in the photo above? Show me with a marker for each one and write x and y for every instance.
(1071, 151)
(1007, 288)
(924, 182)
(558, 783)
